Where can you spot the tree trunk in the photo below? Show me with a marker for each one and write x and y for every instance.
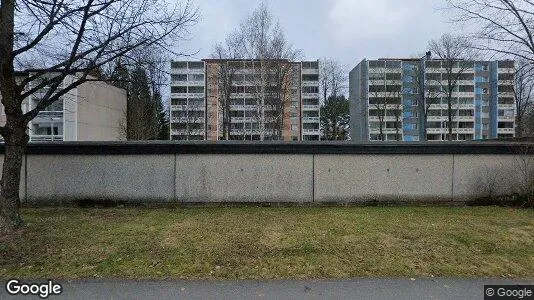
(449, 125)
(519, 126)
(15, 144)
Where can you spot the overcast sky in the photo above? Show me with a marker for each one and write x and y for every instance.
(346, 30)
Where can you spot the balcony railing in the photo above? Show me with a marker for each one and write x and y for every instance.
(187, 119)
(51, 114)
(310, 119)
(506, 106)
(46, 138)
(506, 118)
(311, 131)
(310, 95)
(187, 132)
(463, 118)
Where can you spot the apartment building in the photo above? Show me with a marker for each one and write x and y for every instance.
(387, 103)
(94, 111)
(196, 108)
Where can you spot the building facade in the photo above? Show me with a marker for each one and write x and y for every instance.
(93, 111)
(286, 108)
(387, 102)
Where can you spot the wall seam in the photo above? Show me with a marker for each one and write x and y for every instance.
(25, 177)
(313, 177)
(174, 181)
(452, 179)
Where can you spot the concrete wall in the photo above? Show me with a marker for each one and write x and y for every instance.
(357, 178)
(63, 178)
(276, 177)
(244, 178)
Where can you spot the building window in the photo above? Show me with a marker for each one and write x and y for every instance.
(196, 77)
(178, 64)
(179, 77)
(506, 64)
(195, 65)
(179, 89)
(195, 89)
(310, 77)
(310, 65)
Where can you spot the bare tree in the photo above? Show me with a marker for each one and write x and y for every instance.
(67, 39)
(454, 52)
(427, 92)
(378, 100)
(394, 101)
(523, 169)
(501, 26)
(262, 42)
(332, 78)
(523, 85)
(224, 77)
(195, 117)
(332, 85)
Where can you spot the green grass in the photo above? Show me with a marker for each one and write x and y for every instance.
(284, 242)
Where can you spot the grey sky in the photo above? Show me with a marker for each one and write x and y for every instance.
(346, 30)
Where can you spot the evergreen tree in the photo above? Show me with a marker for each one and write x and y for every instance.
(335, 118)
(162, 118)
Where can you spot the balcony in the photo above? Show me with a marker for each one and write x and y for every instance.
(505, 130)
(310, 119)
(49, 117)
(187, 132)
(311, 131)
(436, 130)
(463, 130)
(310, 71)
(506, 118)
(187, 71)
(189, 83)
(310, 95)
(437, 118)
(506, 106)
(244, 119)
(464, 106)
(463, 118)
(187, 120)
(46, 138)
(385, 130)
(178, 107)
(310, 107)
(384, 119)
(506, 94)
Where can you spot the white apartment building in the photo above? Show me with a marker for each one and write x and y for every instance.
(94, 111)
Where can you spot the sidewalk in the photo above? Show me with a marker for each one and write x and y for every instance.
(427, 288)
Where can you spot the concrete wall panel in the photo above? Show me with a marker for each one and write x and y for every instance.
(244, 178)
(359, 178)
(112, 177)
(485, 175)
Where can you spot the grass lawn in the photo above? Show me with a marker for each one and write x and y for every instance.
(280, 242)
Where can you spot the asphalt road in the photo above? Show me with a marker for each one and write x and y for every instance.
(428, 288)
